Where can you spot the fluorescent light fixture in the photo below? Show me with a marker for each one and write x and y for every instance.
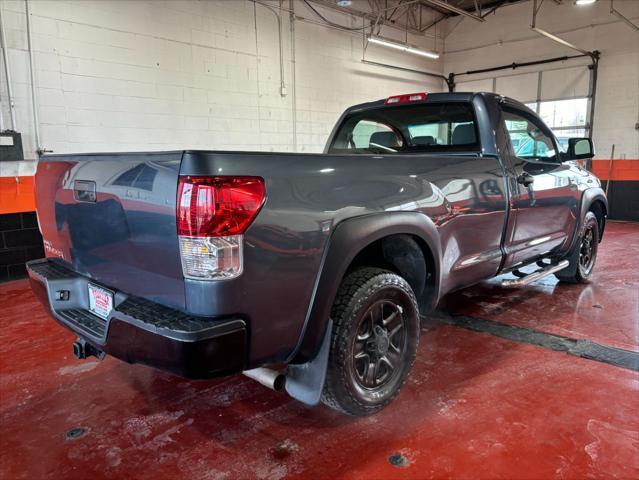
(403, 47)
(584, 2)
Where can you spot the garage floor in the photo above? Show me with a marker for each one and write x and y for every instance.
(484, 400)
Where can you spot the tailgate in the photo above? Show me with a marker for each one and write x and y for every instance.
(112, 217)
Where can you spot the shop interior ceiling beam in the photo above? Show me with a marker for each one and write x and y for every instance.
(441, 4)
(392, 14)
(415, 16)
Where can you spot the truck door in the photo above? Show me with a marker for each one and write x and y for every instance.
(543, 195)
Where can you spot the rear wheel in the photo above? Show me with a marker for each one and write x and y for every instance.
(374, 341)
(583, 258)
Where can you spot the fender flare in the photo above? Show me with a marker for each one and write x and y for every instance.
(588, 197)
(349, 238)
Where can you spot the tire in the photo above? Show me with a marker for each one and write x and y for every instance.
(582, 259)
(373, 342)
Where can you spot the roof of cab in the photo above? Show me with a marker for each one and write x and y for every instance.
(442, 97)
(430, 97)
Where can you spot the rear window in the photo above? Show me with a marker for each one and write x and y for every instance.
(409, 128)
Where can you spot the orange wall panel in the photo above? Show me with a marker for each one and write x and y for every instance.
(621, 169)
(17, 194)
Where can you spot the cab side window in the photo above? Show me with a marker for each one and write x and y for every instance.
(527, 139)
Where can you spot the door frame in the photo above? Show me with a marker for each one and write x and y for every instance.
(508, 155)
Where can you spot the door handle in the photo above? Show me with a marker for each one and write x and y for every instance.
(526, 179)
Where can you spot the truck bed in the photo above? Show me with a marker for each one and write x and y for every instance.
(127, 239)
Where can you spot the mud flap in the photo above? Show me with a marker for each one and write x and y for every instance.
(304, 382)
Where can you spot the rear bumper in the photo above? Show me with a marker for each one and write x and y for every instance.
(141, 331)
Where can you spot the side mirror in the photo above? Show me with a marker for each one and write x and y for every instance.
(580, 149)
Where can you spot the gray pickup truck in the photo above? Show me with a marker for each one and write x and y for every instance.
(309, 272)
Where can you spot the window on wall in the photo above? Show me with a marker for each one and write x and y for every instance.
(566, 118)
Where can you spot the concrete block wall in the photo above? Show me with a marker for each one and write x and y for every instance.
(157, 75)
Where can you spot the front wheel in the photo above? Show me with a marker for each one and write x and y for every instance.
(583, 258)
(373, 343)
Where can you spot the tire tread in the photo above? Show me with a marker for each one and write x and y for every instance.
(348, 300)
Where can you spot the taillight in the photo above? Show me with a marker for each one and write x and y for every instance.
(406, 98)
(218, 206)
(212, 215)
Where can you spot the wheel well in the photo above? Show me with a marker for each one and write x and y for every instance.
(599, 209)
(406, 255)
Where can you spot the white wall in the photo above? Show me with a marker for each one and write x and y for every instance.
(506, 38)
(116, 76)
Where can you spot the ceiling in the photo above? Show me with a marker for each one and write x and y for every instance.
(414, 16)
(469, 5)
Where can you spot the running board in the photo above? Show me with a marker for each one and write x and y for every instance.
(533, 277)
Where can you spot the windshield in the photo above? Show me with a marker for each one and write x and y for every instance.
(412, 128)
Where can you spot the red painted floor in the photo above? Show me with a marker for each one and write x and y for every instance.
(606, 311)
(476, 406)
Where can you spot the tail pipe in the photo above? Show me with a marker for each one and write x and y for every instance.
(273, 379)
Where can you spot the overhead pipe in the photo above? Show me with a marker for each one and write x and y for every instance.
(7, 73)
(371, 16)
(348, 30)
(279, 32)
(293, 76)
(34, 96)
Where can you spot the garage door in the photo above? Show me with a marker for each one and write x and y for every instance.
(560, 96)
